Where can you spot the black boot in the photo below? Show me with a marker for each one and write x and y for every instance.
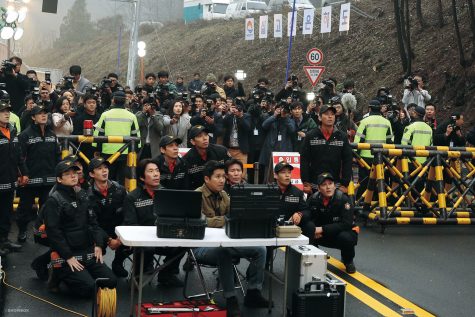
(118, 268)
(21, 236)
(232, 307)
(255, 299)
(40, 269)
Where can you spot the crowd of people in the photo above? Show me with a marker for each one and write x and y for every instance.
(81, 204)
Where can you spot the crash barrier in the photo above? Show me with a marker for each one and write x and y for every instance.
(130, 144)
(416, 185)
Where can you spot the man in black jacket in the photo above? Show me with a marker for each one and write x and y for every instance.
(449, 133)
(75, 238)
(292, 199)
(138, 211)
(17, 84)
(107, 198)
(326, 149)
(12, 169)
(40, 149)
(173, 171)
(236, 133)
(329, 222)
(202, 152)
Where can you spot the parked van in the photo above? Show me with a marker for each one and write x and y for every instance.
(204, 9)
(243, 8)
(277, 5)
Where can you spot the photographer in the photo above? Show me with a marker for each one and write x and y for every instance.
(449, 133)
(313, 109)
(229, 88)
(79, 83)
(293, 90)
(258, 112)
(164, 83)
(206, 116)
(430, 117)
(25, 118)
(210, 87)
(327, 89)
(62, 122)
(236, 133)
(16, 84)
(414, 92)
(391, 111)
(280, 131)
(195, 84)
(114, 82)
(150, 80)
(32, 79)
(180, 86)
(151, 128)
(303, 123)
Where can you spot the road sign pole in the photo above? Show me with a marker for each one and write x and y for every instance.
(289, 51)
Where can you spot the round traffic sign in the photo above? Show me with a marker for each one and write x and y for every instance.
(314, 56)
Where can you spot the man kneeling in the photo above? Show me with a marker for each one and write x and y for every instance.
(214, 206)
(330, 222)
(75, 238)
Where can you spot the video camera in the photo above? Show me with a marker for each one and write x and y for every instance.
(7, 67)
(411, 83)
(105, 83)
(453, 123)
(35, 94)
(68, 82)
(182, 95)
(3, 93)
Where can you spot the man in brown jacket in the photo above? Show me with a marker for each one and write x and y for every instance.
(215, 205)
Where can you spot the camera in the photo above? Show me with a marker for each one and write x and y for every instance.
(182, 95)
(48, 78)
(7, 66)
(328, 84)
(3, 93)
(105, 83)
(92, 90)
(282, 222)
(453, 123)
(138, 89)
(35, 93)
(411, 83)
(68, 82)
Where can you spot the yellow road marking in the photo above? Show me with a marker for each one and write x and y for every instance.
(395, 298)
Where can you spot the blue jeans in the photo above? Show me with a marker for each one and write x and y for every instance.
(223, 259)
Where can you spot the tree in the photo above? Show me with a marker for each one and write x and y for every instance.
(399, 31)
(403, 27)
(110, 25)
(419, 13)
(462, 60)
(440, 14)
(77, 26)
(472, 24)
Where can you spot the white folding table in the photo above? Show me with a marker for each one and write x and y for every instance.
(146, 236)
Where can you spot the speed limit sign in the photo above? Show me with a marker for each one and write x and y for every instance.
(314, 56)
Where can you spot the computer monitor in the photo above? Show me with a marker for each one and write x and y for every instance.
(172, 203)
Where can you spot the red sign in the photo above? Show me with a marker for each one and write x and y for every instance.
(293, 158)
(314, 56)
(314, 73)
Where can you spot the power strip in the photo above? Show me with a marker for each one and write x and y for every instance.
(291, 231)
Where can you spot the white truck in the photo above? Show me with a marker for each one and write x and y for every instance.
(204, 9)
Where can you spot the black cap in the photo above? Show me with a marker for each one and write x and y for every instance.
(197, 129)
(4, 104)
(118, 94)
(335, 100)
(38, 109)
(281, 165)
(63, 167)
(420, 111)
(72, 158)
(169, 139)
(325, 108)
(324, 176)
(374, 104)
(96, 162)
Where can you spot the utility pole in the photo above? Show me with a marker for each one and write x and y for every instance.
(134, 33)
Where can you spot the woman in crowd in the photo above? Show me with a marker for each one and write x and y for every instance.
(176, 123)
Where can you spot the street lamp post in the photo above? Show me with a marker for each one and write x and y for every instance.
(141, 52)
(10, 18)
(132, 44)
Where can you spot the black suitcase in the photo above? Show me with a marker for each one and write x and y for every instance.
(316, 300)
(181, 228)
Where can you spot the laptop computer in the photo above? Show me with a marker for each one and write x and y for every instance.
(172, 203)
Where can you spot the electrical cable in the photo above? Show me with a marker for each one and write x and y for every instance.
(41, 299)
(106, 302)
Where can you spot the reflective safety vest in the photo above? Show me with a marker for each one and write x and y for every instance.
(374, 129)
(417, 133)
(15, 121)
(116, 122)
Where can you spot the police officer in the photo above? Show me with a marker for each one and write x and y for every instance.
(326, 149)
(173, 171)
(74, 235)
(292, 199)
(330, 221)
(117, 122)
(12, 169)
(373, 129)
(107, 198)
(202, 152)
(418, 132)
(40, 148)
(138, 211)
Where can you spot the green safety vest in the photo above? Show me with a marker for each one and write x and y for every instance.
(418, 133)
(15, 121)
(116, 122)
(374, 129)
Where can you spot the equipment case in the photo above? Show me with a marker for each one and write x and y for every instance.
(317, 299)
(181, 228)
(188, 309)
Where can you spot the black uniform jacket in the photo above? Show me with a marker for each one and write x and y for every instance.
(337, 216)
(138, 208)
(178, 179)
(41, 153)
(291, 201)
(71, 223)
(195, 163)
(108, 208)
(319, 156)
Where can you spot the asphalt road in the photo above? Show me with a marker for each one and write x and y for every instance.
(431, 267)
